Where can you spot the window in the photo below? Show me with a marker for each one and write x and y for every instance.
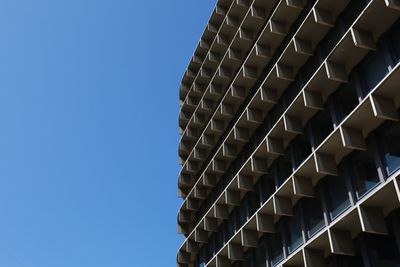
(260, 256)
(372, 69)
(276, 246)
(394, 41)
(283, 168)
(386, 252)
(391, 146)
(313, 213)
(322, 126)
(295, 235)
(364, 172)
(301, 148)
(351, 12)
(267, 187)
(337, 193)
(345, 100)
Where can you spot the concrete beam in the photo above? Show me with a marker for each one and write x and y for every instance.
(292, 124)
(352, 138)
(302, 186)
(313, 100)
(221, 212)
(210, 224)
(249, 238)
(265, 223)
(323, 17)
(363, 39)
(336, 72)
(259, 165)
(282, 206)
(384, 108)
(284, 72)
(200, 236)
(372, 220)
(303, 47)
(232, 197)
(340, 242)
(325, 164)
(313, 258)
(235, 252)
(245, 182)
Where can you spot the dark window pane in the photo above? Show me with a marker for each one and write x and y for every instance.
(283, 168)
(295, 237)
(386, 250)
(337, 193)
(267, 187)
(276, 246)
(345, 100)
(372, 69)
(322, 126)
(314, 216)
(364, 171)
(391, 147)
(301, 148)
(394, 40)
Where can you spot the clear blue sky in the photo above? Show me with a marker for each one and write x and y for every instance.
(88, 129)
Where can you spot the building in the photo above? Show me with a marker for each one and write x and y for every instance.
(290, 136)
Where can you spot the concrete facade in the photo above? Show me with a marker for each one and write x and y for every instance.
(290, 129)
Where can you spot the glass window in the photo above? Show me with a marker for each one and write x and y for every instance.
(345, 100)
(260, 257)
(267, 187)
(309, 68)
(351, 12)
(372, 69)
(276, 246)
(283, 168)
(337, 193)
(364, 171)
(394, 40)
(322, 126)
(313, 213)
(294, 233)
(330, 40)
(386, 252)
(301, 148)
(391, 146)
